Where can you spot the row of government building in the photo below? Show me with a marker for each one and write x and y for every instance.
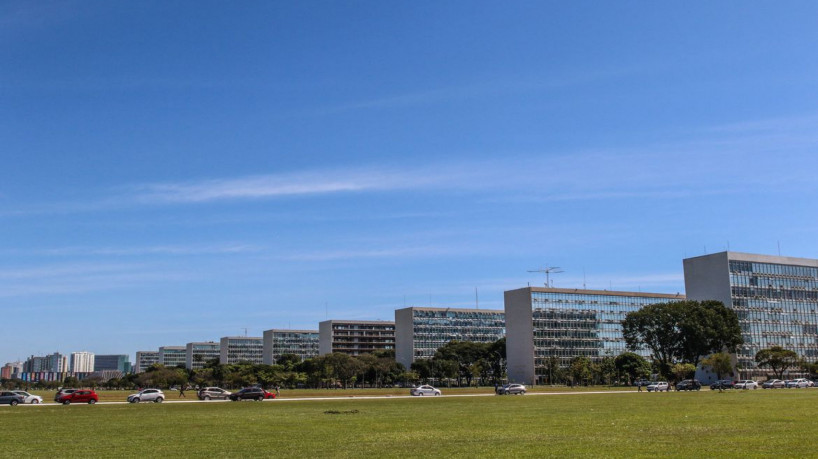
(775, 298)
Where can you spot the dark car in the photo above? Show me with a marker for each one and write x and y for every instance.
(689, 384)
(79, 396)
(248, 393)
(723, 384)
(10, 398)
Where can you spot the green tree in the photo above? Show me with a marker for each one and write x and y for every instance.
(580, 370)
(777, 358)
(683, 371)
(720, 363)
(632, 365)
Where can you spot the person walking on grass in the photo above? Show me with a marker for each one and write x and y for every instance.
(182, 391)
(277, 391)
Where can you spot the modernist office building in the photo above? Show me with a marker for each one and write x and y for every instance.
(235, 349)
(144, 359)
(198, 354)
(542, 323)
(303, 343)
(420, 332)
(171, 356)
(775, 298)
(82, 362)
(119, 362)
(355, 337)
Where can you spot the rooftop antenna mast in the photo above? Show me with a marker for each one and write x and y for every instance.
(245, 331)
(548, 270)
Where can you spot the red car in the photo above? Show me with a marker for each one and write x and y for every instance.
(269, 395)
(79, 396)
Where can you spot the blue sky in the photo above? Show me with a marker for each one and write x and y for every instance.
(179, 171)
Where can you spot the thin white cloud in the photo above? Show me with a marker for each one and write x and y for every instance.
(180, 250)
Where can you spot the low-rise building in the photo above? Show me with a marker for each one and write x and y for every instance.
(198, 354)
(303, 343)
(144, 359)
(355, 337)
(235, 349)
(171, 356)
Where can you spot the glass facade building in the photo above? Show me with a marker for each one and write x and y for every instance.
(120, 362)
(420, 332)
(775, 298)
(546, 323)
(303, 343)
(171, 356)
(198, 354)
(235, 349)
(355, 337)
(144, 359)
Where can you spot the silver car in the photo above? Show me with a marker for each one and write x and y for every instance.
(511, 389)
(746, 384)
(799, 383)
(213, 393)
(147, 395)
(29, 398)
(424, 390)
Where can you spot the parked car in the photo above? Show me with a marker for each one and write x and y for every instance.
(79, 396)
(799, 383)
(773, 384)
(147, 395)
(688, 384)
(658, 386)
(248, 393)
(29, 398)
(723, 384)
(269, 395)
(213, 393)
(511, 389)
(62, 392)
(10, 398)
(424, 390)
(746, 384)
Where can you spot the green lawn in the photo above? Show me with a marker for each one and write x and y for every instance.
(700, 424)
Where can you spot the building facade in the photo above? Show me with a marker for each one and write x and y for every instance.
(11, 370)
(553, 324)
(171, 356)
(355, 337)
(82, 362)
(119, 362)
(198, 354)
(144, 359)
(303, 343)
(420, 332)
(775, 298)
(235, 349)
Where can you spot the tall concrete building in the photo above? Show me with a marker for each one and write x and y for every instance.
(775, 298)
(171, 356)
(82, 362)
(144, 359)
(198, 354)
(544, 323)
(420, 331)
(355, 337)
(235, 349)
(11, 370)
(118, 362)
(303, 343)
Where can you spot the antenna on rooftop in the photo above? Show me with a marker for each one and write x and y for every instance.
(548, 270)
(245, 331)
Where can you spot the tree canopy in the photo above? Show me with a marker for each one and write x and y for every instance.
(777, 358)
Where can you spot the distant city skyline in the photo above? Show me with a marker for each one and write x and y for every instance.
(176, 173)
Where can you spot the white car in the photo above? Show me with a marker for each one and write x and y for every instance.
(746, 384)
(147, 395)
(799, 383)
(33, 399)
(424, 390)
(658, 386)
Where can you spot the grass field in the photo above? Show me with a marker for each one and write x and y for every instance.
(731, 424)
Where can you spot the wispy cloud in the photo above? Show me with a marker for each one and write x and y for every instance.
(180, 250)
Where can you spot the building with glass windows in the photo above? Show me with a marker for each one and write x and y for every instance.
(775, 298)
(546, 323)
(144, 359)
(82, 362)
(303, 343)
(171, 356)
(235, 349)
(420, 332)
(119, 362)
(355, 337)
(198, 354)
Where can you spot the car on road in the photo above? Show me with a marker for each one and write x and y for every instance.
(79, 396)
(10, 398)
(773, 384)
(248, 393)
(213, 393)
(799, 383)
(424, 390)
(269, 395)
(508, 389)
(62, 392)
(688, 384)
(722, 384)
(147, 395)
(660, 386)
(746, 384)
(29, 398)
